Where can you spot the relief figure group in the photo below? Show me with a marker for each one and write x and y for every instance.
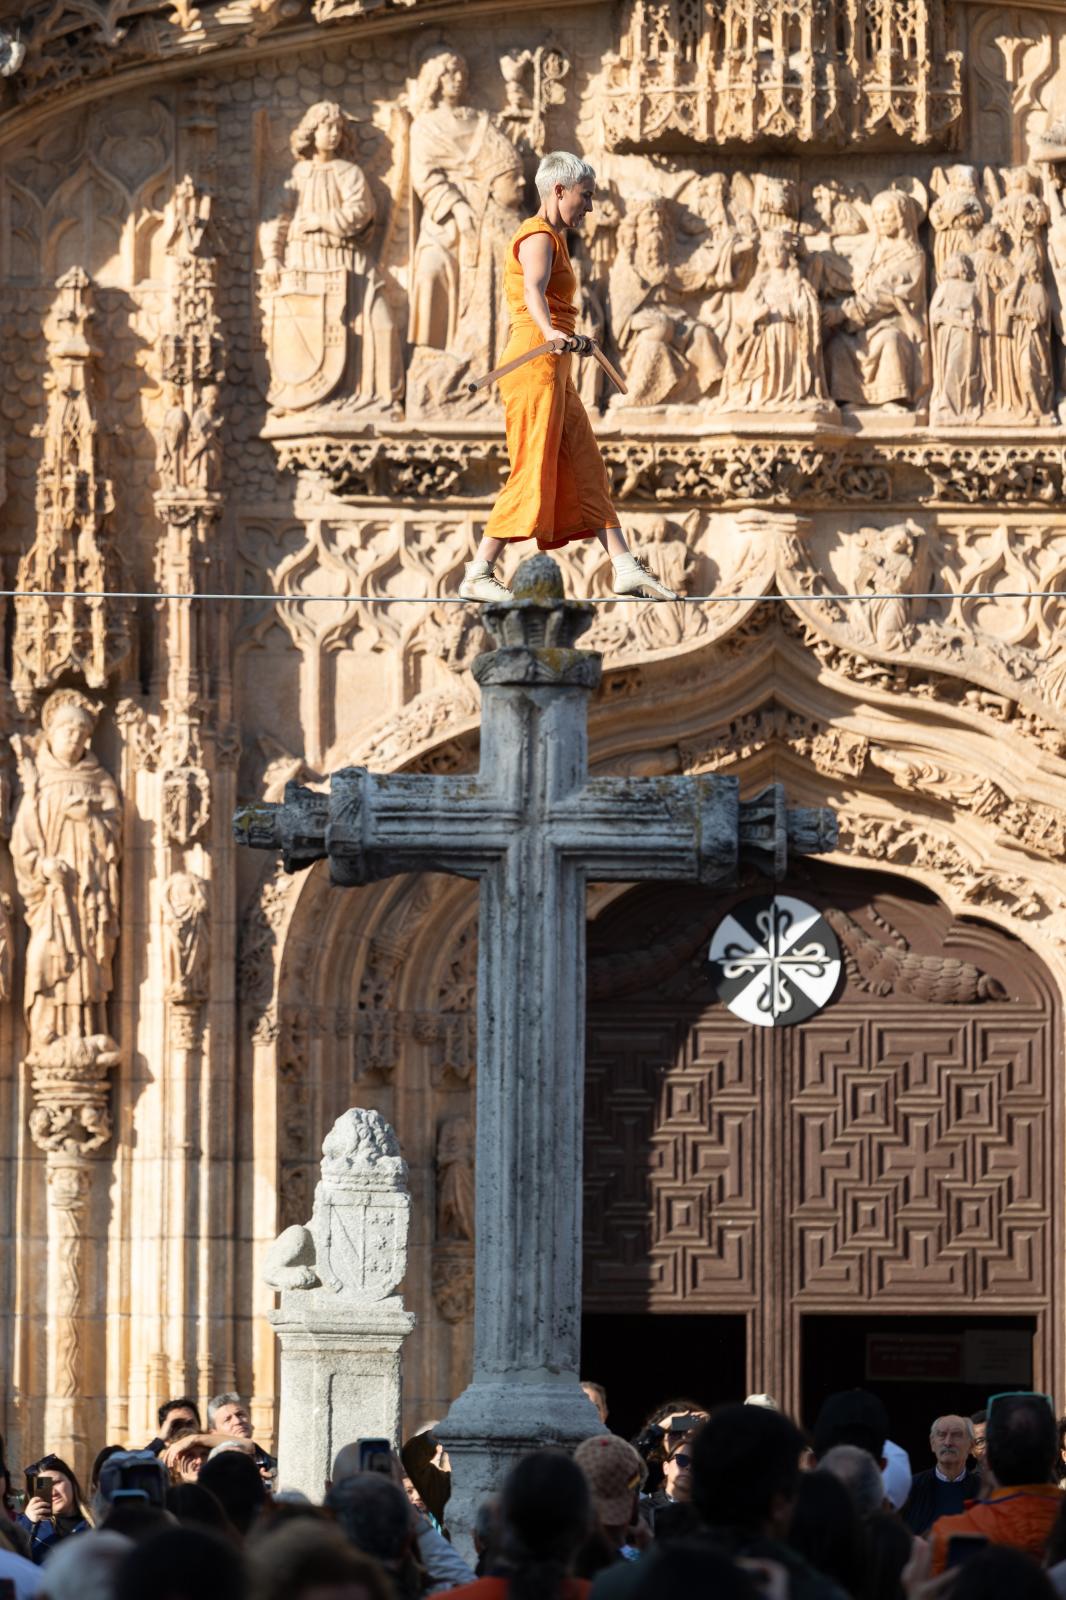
(720, 293)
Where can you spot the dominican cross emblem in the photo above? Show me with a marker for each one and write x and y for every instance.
(774, 960)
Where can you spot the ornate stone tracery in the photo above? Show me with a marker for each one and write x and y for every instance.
(63, 622)
(816, 71)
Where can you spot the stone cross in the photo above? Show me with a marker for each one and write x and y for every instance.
(533, 827)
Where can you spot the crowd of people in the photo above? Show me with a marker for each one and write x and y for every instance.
(737, 1503)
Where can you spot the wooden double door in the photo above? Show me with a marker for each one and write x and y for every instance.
(895, 1155)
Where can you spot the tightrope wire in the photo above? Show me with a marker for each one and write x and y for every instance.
(595, 600)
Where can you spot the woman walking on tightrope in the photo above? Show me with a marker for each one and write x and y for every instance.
(557, 490)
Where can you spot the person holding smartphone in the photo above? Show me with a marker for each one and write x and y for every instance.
(55, 1507)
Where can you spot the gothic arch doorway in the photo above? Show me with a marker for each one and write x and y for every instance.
(895, 1156)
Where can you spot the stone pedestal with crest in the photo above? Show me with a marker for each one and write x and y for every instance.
(340, 1323)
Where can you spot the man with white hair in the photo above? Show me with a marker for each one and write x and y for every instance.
(943, 1489)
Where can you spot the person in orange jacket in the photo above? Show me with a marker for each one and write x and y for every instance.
(1022, 1498)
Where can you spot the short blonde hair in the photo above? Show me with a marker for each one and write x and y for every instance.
(562, 166)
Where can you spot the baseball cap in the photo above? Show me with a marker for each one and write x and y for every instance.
(614, 1471)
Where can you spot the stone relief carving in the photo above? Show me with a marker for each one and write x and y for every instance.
(717, 71)
(65, 847)
(754, 293)
(1022, 656)
(775, 358)
(329, 328)
(877, 353)
(355, 1245)
(455, 1179)
(72, 549)
(467, 199)
(534, 81)
(958, 330)
(911, 844)
(188, 947)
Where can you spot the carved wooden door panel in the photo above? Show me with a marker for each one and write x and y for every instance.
(897, 1152)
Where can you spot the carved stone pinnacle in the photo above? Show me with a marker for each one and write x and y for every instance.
(535, 632)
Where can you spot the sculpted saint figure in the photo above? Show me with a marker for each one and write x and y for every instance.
(955, 320)
(455, 1179)
(188, 938)
(203, 457)
(557, 490)
(993, 273)
(438, 377)
(457, 156)
(327, 210)
(1028, 382)
(65, 849)
(878, 349)
(956, 217)
(775, 356)
(172, 442)
(670, 356)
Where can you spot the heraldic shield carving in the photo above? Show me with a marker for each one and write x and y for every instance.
(306, 337)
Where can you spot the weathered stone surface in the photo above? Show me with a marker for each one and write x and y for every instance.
(533, 827)
(341, 1326)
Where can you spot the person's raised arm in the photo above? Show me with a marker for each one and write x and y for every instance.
(536, 255)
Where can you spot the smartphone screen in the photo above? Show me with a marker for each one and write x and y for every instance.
(39, 1486)
(963, 1546)
(375, 1455)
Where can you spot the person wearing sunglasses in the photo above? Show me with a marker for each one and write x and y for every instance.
(676, 1456)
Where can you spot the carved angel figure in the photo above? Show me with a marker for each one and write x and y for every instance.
(878, 349)
(775, 356)
(956, 217)
(65, 849)
(459, 160)
(1022, 211)
(886, 565)
(325, 214)
(955, 320)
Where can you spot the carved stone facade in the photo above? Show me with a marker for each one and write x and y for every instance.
(251, 256)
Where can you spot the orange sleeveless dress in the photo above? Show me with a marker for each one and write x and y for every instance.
(557, 489)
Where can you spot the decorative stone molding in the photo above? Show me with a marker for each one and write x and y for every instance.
(722, 470)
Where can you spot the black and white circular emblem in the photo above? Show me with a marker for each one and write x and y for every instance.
(774, 960)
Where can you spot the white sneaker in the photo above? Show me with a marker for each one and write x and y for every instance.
(631, 576)
(481, 583)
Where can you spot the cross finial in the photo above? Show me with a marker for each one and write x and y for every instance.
(535, 632)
